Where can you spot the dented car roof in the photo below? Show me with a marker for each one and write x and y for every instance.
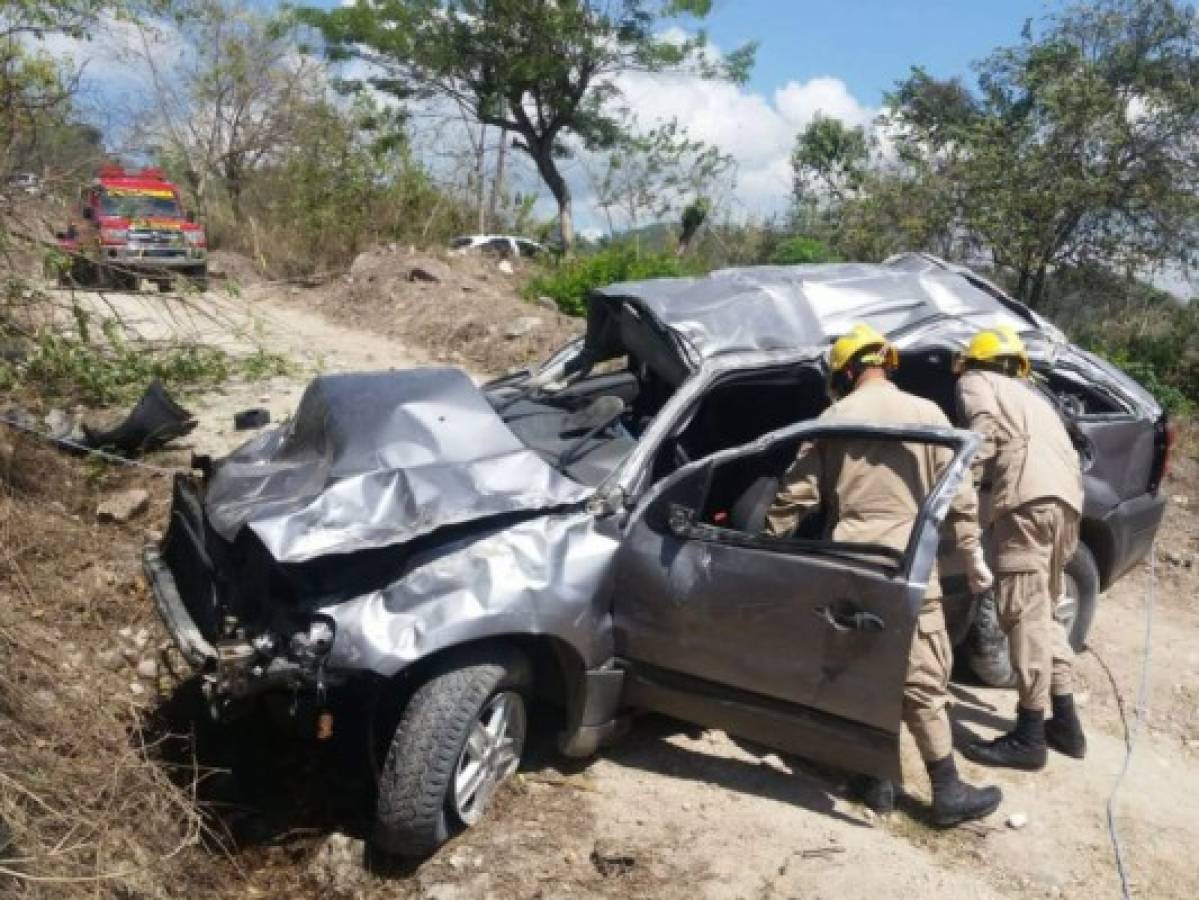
(780, 307)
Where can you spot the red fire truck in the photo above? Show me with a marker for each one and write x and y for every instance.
(132, 225)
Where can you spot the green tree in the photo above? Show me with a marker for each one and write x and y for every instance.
(236, 100)
(828, 163)
(543, 70)
(1077, 148)
(36, 90)
(661, 173)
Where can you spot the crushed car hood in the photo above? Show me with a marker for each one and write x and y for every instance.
(375, 460)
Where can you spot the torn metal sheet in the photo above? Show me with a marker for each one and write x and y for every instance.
(375, 460)
(154, 422)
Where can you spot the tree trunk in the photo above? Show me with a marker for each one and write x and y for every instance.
(547, 167)
(497, 186)
(235, 200)
(1022, 283)
(233, 172)
(1037, 290)
(481, 178)
(566, 224)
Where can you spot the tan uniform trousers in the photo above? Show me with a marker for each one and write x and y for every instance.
(1033, 543)
(926, 687)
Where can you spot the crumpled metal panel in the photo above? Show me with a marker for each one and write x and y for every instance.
(781, 307)
(375, 460)
(540, 576)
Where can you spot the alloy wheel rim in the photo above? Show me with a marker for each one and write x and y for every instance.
(491, 753)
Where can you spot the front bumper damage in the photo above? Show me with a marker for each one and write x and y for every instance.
(237, 669)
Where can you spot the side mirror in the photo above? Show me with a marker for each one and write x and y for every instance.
(190, 215)
(89, 213)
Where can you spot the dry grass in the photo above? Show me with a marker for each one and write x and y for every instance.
(88, 809)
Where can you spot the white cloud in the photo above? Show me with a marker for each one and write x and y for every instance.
(800, 103)
(756, 130)
(108, 59)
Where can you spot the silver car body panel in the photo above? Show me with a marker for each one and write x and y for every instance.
(543, 576)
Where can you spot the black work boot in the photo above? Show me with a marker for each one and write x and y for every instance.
(1063, 732)
(877, 794)
(954, 801)
(1021, 748)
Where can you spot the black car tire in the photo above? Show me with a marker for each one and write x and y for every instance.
(82, 274)
(988, 647)
(416, 811)
(199, 277)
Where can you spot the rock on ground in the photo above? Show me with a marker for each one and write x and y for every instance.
(522, 326)
(337, 864)
(124, 506)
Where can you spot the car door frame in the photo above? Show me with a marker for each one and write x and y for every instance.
(784, 725)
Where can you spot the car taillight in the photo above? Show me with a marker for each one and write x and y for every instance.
(1165, 438)
(114, 235)
(1171, 440)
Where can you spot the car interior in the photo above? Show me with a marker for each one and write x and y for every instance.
(583, 430)
(588, 427)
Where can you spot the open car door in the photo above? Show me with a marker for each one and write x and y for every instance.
(800, 643)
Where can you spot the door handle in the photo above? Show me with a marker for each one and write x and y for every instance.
(849, 618)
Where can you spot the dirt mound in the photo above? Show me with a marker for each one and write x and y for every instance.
(465, 310)
(234, 268)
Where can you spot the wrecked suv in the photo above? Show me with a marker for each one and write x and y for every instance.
(590, 533)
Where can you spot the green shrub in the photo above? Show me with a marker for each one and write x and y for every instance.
(801, 250)
(68, 367)
(1162, 355)
(567, 282)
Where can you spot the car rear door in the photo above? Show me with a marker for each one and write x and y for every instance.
(799, 644)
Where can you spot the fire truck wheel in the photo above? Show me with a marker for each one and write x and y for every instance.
(199, 277)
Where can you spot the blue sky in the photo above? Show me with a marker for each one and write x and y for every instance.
(868, 44)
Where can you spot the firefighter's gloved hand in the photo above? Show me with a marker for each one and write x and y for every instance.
(980, 577)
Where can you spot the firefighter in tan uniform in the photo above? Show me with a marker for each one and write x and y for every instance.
(1036, 501)
(872, 491)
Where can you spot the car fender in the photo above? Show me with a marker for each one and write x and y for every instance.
(543, 575)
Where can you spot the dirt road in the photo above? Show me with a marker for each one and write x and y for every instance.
(256, 318)
(677, 812)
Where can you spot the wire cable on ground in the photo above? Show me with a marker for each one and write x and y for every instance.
(91, 451)
(1140, 714)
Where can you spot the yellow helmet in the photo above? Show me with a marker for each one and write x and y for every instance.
(861, 337)
(994, 345)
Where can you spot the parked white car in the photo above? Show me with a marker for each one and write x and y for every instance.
(25, 182)
(502, 245)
